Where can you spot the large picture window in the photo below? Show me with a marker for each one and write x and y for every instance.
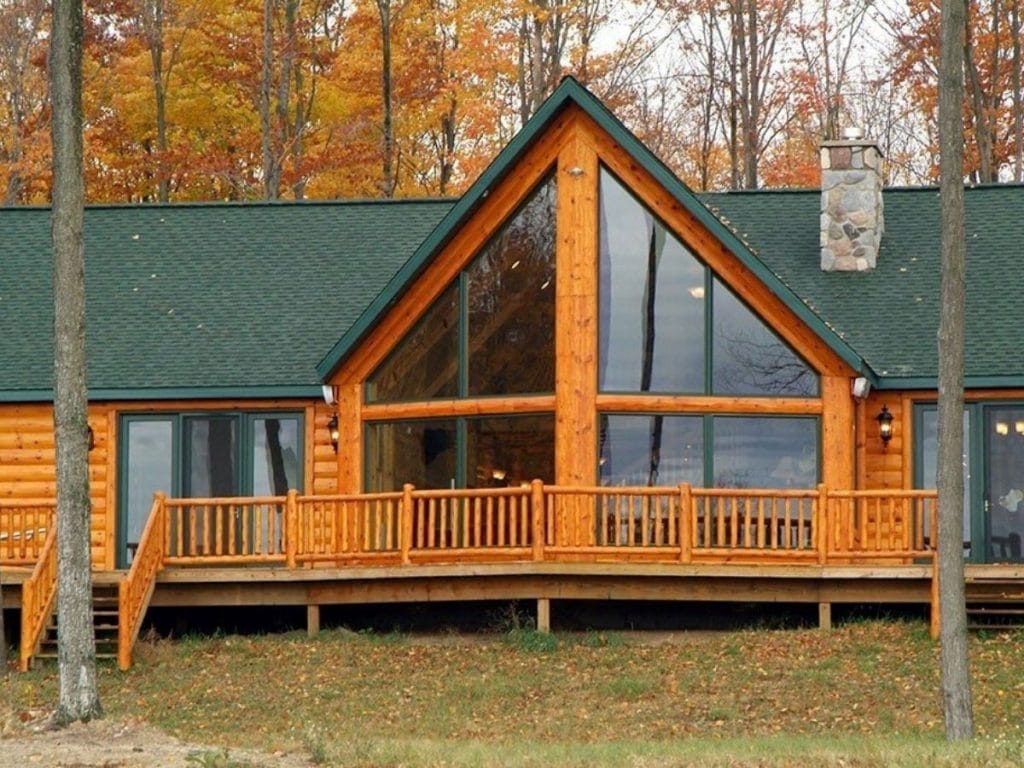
(485, 452)
(202, 455)
(709, 450)
(668, 325)
(492, 332)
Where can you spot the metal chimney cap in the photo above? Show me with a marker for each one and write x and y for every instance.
(853, 133)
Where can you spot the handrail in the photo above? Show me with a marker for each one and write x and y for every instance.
(550, 522)
(24, 524)
(136, 589)
(37, 596)
(226, 531)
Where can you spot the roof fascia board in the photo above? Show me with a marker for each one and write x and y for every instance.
(892, 383)
(571, 91)
(169, 393)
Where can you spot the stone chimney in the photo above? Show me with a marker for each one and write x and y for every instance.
(851, 203)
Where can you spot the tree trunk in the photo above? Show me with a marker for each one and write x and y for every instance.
(954, 663)
(1018, 108)
(76, 644)
(284, 84)
(389, 181)
(153, 21)
(271, 176)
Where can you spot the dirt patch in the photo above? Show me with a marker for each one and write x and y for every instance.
(25, 740)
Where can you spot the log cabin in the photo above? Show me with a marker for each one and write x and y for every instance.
(579, 380)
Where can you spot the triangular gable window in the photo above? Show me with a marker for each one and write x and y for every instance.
(492, 331)
(668, 325)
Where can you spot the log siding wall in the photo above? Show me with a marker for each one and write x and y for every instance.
(27, 455)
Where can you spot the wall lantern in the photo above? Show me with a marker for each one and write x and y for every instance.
(92, 437)
(332, 427)
(884, 419)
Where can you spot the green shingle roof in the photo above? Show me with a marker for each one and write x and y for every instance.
(246, 299)
(890, 315)
(223, 298)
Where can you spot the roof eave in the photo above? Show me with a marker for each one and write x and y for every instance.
(895, 383)
(170, 393)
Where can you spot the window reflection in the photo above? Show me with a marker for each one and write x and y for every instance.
(655, 317)
(929, 462)
(748, 358)
(509, 451)
(651, 321)
(150, 468)
(1005, 483)
(419, 452)
(510, 295)
(425, 364)
(211, 456)
(763, 452)
(275, 456)
(651, 450)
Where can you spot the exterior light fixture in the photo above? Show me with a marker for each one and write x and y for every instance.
(92, 437)
(884, 419)
(1018, 427)
(332, 427)
(1002, 428)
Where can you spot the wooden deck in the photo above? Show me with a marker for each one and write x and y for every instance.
(531, 542)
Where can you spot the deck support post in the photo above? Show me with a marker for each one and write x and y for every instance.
(312, 620)
(544, 615)
(825, 617)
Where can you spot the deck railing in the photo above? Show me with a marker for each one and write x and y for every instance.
(136, 589)
(23, 529)
(881, 525)
(543, 522)
(536, 522)
(224, 531)
(37, 596)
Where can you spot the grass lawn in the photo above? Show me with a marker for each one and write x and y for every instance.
(866, 694)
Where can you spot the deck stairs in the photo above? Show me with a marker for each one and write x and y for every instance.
(105, 621)
(994, 603)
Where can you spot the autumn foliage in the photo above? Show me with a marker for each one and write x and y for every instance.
(292, 99)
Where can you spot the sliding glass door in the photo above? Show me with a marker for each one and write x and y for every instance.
(993, 461)
(202, 455)
(1004, 482)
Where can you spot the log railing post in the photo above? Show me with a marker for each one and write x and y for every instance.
(537, 518)
(406, 515)
(291, 526)
(936, 613)
(821, 524)
(685, 522)
(162, 525)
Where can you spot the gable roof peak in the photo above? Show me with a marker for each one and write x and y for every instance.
(570, 90)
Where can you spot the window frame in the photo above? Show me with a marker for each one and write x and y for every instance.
(461, 283)
(710, 279)
(708, 434)
(245, 419)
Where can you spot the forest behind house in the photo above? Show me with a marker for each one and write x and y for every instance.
(319, 99)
